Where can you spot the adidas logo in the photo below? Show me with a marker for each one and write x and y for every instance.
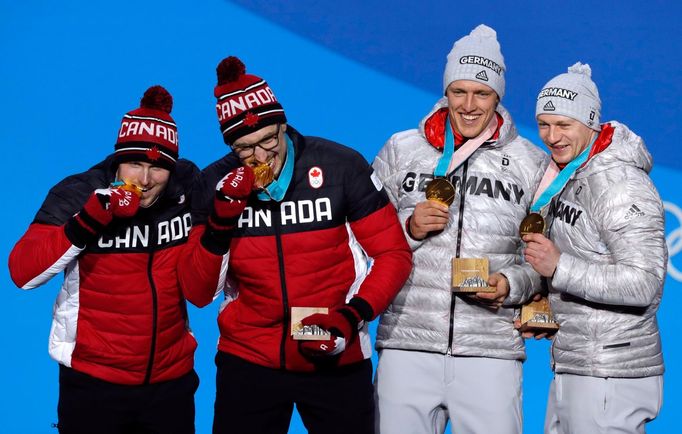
(549, 106)
(634, 211)
(482, 75)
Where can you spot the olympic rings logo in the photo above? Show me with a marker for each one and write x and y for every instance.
(674, 240)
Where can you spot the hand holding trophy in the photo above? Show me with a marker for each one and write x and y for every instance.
(536, 315)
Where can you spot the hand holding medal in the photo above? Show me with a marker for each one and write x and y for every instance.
(128, 186)
(540, 251)
(441, 190)
(533, 223)
(124, 200)
(432, 215)
(542, 254)
(428, 218)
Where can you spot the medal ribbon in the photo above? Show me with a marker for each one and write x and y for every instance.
(278, 187)
(554, 179)
(448, 162)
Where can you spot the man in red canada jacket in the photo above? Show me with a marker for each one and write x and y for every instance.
(312, 228)
(120, 329)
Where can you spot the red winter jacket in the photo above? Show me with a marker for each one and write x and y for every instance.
(333, 237)
(120, 315)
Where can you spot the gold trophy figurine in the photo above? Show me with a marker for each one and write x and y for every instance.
(537, 316)
(470, 275)
(300, 332)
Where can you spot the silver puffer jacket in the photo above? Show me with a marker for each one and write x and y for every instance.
(608, 225)
(499, 179)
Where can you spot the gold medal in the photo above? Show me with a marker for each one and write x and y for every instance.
(263, 174)
(533, 223)
(133, 188)
(441, 190)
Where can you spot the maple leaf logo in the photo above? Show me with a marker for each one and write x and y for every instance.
(250, 119)
(153, 153)
(315, 177)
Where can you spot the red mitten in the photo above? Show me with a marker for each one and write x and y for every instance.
(123, 203)
(99, 210)
(232, 193)
(343, 325)
(331, 347)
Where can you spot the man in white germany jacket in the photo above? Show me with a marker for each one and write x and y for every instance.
(605, 260)
(445, 355)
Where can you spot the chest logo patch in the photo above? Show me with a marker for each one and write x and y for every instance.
(315, 177)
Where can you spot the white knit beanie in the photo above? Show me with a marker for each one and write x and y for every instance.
(572, 94)
(476, 57)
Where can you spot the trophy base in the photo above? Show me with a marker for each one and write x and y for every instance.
(535, 326)
(314, 335)
(473, 289)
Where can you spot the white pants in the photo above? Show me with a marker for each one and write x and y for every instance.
(418, 392)
(579, 404)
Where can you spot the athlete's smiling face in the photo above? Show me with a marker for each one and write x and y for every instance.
(151, 179)
(565, 137)
(472, 105)
(265, 146)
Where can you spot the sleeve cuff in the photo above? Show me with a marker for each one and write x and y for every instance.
(561, 276)
(363, 308)
(216, 241)
(412, 242)
(78, 233)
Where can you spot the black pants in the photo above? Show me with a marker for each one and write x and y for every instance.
(88, 405)
(252, 399)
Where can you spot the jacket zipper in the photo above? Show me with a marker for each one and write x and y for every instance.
(460, 223)
(283, 284)
(152, 286)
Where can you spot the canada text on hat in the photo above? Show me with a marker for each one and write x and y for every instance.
(572, 94)
(245, 102)
(476, 57)
(149, 133)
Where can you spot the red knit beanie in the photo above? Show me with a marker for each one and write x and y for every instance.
(245, 102)
(149, 133)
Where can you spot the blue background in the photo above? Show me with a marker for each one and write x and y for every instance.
(353, 71)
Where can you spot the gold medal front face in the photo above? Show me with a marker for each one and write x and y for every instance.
(441, 190)
(263, 174)
(533, 223)
(133, 188)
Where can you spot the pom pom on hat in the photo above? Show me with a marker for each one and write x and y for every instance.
(149, 133)
(157, 98)
(572, 94)
(230, 69)
(579, 68)
(245, 102)
(481, 32)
